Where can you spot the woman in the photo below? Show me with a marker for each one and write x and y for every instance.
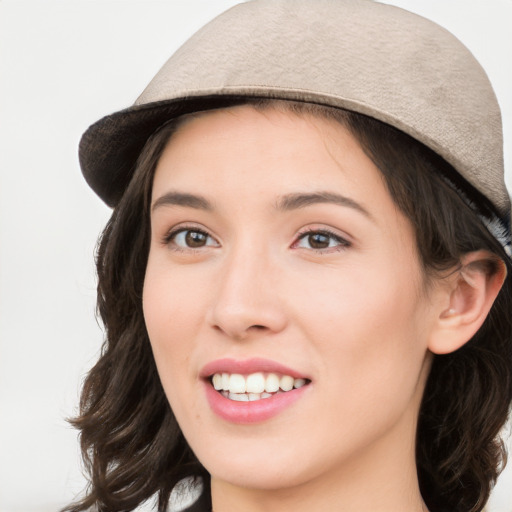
(304, 281)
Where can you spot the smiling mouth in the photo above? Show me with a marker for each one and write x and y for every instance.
(255, 386)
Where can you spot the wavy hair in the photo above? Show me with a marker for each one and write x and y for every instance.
(131, 444)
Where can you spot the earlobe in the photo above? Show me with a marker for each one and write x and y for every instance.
(473, 289)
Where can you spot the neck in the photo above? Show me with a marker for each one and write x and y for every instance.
(323, 498)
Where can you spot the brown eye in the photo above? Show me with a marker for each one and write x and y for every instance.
(195, 238)
(190, 239)
(319, 240)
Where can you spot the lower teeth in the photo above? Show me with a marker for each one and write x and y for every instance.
(246, 397)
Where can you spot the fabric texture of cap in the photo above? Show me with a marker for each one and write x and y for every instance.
(371, 58)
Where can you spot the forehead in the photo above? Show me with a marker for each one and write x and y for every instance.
(270, 146)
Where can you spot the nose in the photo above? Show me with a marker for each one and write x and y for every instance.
(246, 304)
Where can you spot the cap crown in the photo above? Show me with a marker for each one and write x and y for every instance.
(361, 55)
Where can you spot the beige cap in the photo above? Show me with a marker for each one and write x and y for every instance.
(360, 55)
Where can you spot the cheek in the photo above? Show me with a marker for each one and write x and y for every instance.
(174, 308)
(371, 331)
(171, 302)
(172, 313)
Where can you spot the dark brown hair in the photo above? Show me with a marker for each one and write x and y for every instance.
(131, 444)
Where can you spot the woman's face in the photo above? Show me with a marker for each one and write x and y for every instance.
(278, 258)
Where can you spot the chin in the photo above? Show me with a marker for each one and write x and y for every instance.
(257, 464)
(264, 477)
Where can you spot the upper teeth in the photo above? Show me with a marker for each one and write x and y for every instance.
(255, 382)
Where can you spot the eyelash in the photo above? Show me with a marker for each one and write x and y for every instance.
(170, 237)
(343, 244)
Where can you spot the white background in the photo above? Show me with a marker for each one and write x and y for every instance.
(63, 65)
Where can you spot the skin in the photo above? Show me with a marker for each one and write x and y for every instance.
(356, 316)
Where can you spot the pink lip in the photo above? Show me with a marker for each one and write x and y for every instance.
(249, 412)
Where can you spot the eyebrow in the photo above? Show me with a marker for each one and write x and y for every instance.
(287, 202)
(182, 199)
(301, 200)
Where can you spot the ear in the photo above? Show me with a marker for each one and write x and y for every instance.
(471, 292)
